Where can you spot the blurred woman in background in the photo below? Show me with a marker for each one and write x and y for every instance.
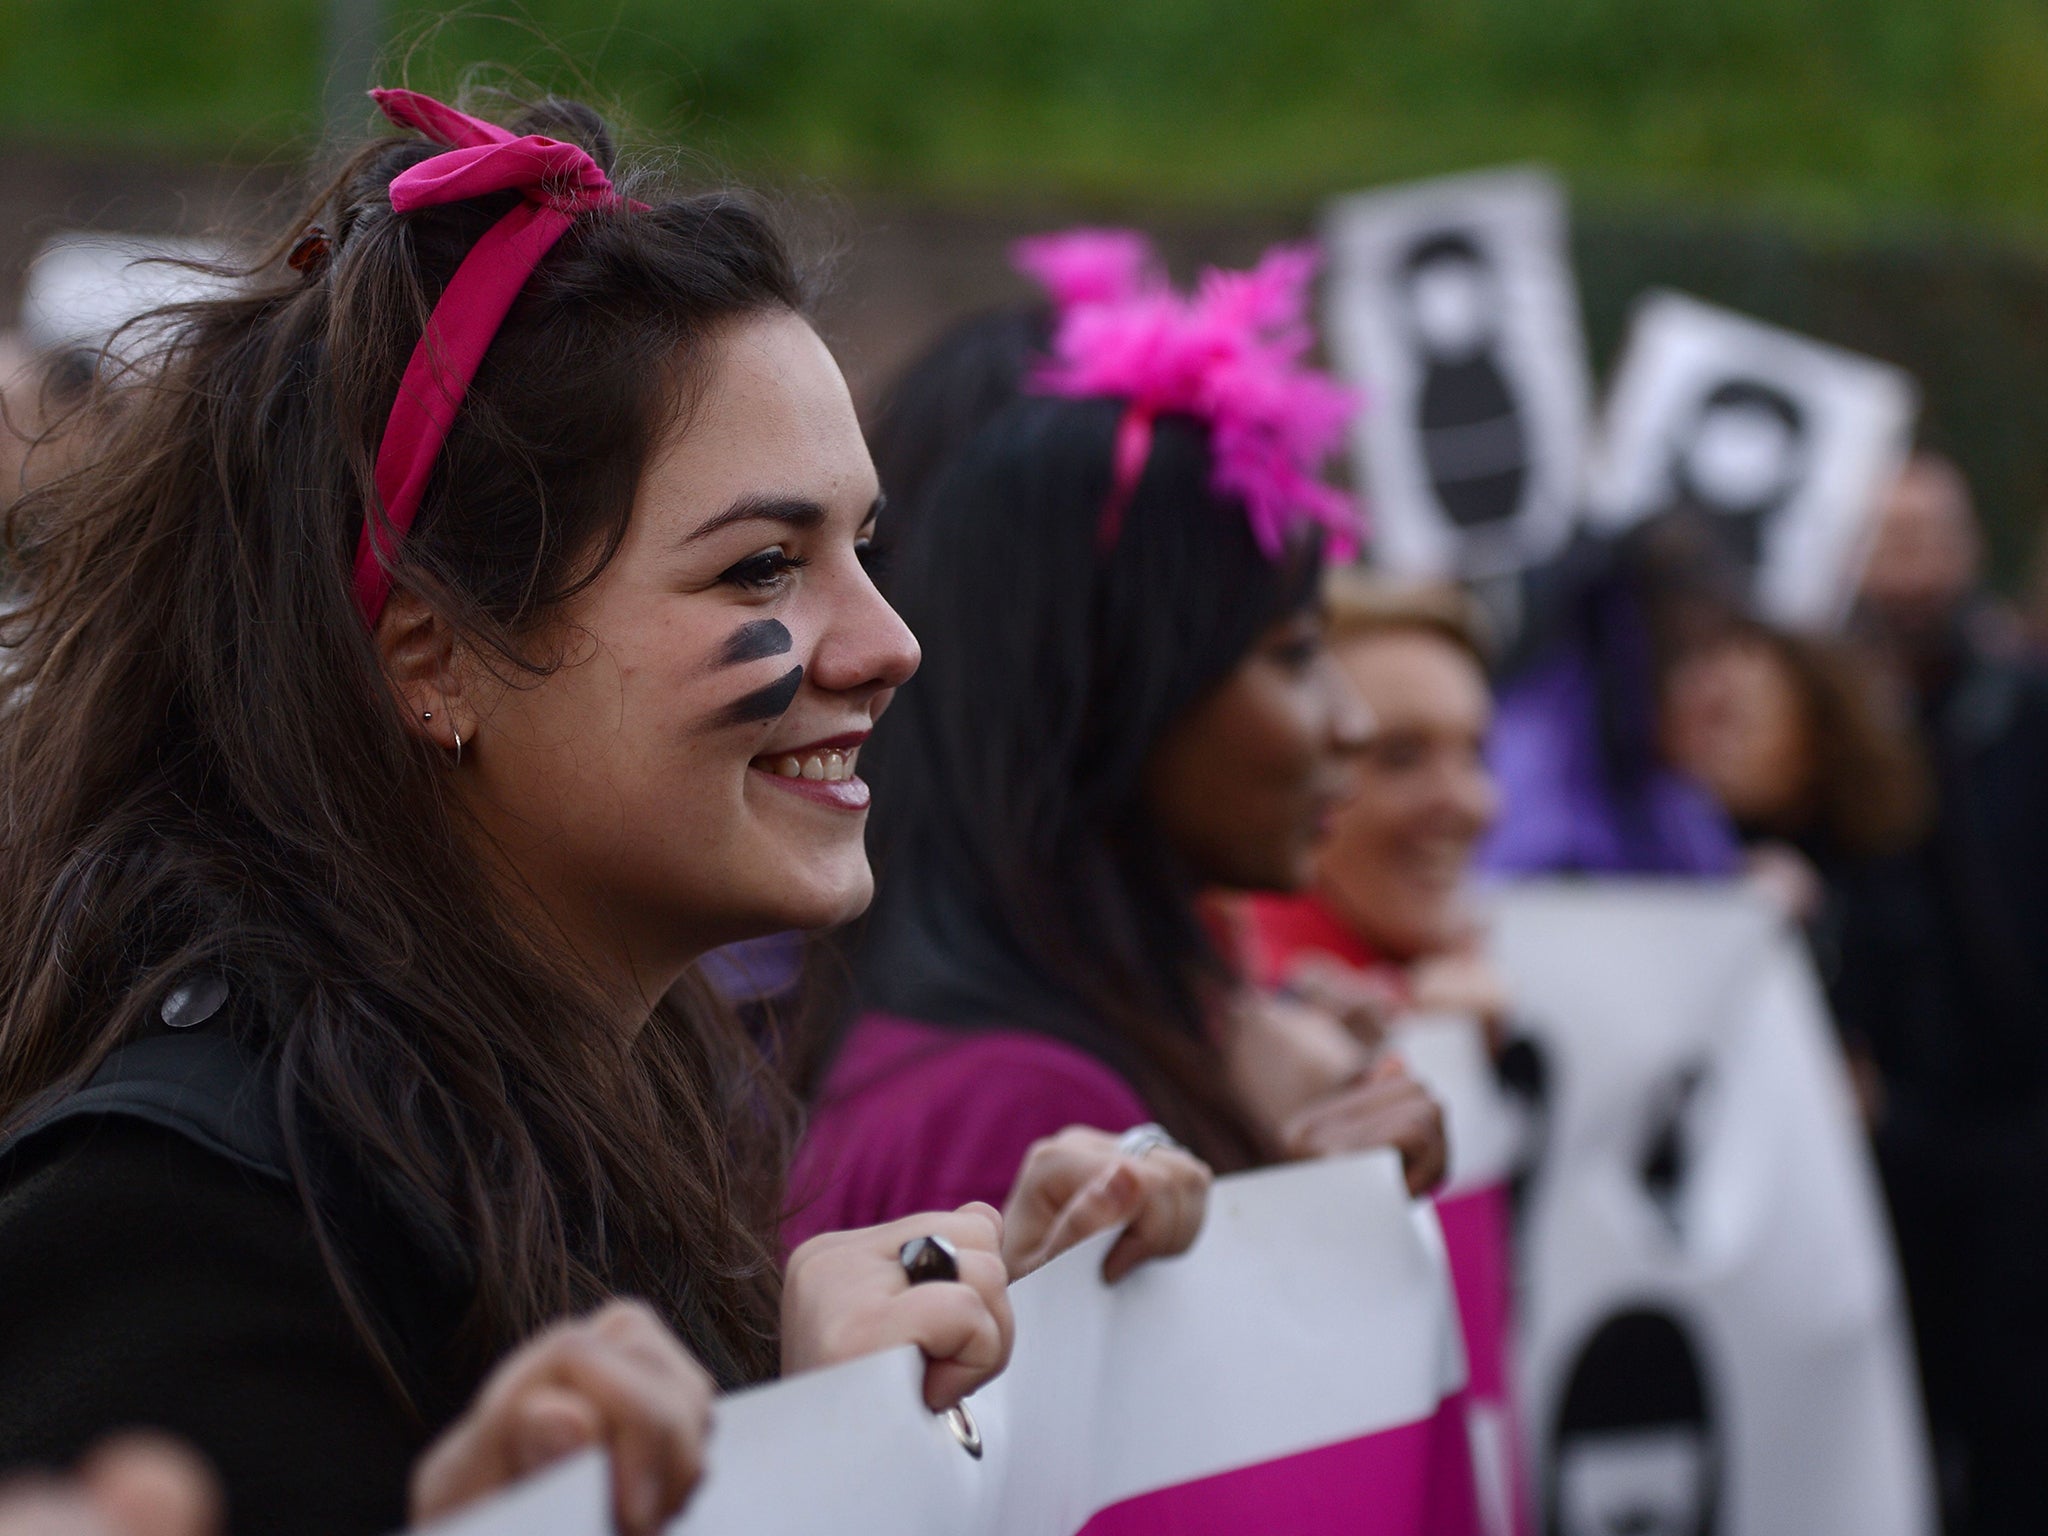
(1388, 899)
(1384, 936)
(1821, 773)
(1586, 786)
(1126, 699)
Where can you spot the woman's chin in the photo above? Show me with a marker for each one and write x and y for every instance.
(1301, 873)
(829, 903)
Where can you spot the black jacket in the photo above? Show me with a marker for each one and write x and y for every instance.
(159, 1268)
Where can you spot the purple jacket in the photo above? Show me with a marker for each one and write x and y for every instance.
(1559, 812)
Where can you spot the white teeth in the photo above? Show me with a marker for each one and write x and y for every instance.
(830, 766)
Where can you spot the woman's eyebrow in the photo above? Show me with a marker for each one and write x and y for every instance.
(789, 511)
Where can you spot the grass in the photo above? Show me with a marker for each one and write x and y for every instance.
(1837, 112)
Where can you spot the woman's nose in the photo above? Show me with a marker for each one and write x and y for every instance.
(866, 646)
(1351, 718)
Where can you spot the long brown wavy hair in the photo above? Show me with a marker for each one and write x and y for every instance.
(202, 763)
(1869, 792)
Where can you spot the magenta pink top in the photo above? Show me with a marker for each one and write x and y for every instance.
(919, 1117)
(916, 1117)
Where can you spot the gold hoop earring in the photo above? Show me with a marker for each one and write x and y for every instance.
(458, 747)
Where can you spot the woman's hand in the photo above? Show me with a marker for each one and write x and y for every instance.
(617, 1379)
(845, 1295)
(1387, 1109)
(1785, 878)
(1365, 1002)
(1462, 979)
(1081, 1182)
(135, 1485)
(1282, 1054)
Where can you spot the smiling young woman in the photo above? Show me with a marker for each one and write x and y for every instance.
(734, 628)
(457, 632)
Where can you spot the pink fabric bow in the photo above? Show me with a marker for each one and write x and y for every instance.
(1231, 355)
(558, 181)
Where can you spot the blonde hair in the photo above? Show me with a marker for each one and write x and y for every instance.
(1362, 604)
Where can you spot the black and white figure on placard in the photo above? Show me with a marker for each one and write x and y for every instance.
(1740, 461)
(1777, 446)
(1667, 1155)
(1474, 445)
(1452, 306)
(1634, 1451)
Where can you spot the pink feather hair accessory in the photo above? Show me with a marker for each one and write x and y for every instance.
(1230, 355)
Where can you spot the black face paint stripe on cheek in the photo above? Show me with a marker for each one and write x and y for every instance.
(755, 642)
(763, 703)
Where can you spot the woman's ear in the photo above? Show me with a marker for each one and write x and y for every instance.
(422, 657)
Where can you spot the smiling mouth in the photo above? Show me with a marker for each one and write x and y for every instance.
(821, 773)
(830, 766)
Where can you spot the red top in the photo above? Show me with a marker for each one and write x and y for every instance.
(1274, 931)
(921, 1117)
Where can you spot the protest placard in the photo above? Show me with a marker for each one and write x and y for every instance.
(1452, 304)
(1781, 447)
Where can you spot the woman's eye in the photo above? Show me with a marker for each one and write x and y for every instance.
(1397, 754)
(1297, 654)
(758, 573)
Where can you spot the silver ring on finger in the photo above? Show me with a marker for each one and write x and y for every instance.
(965, 1430)
(1150, 1137)
(929, 1259)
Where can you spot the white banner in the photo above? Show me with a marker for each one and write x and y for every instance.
(1714, 1340)
(1314, 1310)
(1486, 1129)
(1452, 304)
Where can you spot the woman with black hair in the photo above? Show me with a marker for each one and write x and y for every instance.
(1125, 700)
(456, 631)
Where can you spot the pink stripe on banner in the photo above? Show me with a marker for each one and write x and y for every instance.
(1478, 1239)
(1412, 1481)
(1456, 1473)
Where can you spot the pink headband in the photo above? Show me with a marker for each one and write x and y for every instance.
(558, 181)
(1231, 355)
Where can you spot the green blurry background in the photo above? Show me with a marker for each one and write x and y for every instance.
(1839, 111)
(1871, 171)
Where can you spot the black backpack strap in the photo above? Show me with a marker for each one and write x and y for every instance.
(185, 1077)
(197, 1074)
